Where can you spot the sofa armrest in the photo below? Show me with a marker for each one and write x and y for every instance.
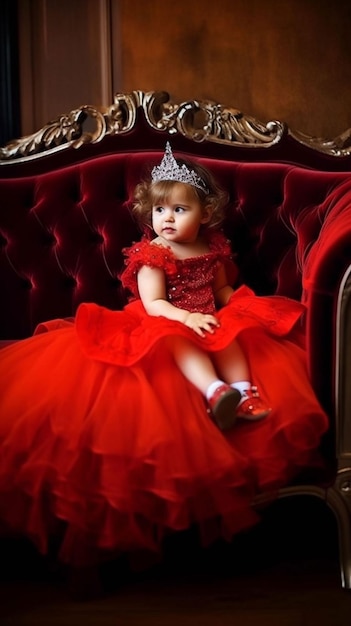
(325, 265)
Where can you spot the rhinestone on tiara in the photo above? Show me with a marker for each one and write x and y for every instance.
(170, 170)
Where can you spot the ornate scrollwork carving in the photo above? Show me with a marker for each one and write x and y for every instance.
(203, 119)
(60, 133)
(339, 146)
(197, 120)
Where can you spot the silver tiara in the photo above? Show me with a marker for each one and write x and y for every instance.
(170, 170)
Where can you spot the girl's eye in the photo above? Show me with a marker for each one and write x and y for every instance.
(179, 209)
(158, 209)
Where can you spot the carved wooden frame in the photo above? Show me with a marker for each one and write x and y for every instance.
(197, 120)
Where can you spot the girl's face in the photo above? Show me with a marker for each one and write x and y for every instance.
(179, 216)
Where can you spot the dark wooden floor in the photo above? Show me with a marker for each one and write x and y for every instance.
(285, 572)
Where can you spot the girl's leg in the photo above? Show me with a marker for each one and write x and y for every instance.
(194, 363)
(232, 365)
(198, 368)
(214, 378)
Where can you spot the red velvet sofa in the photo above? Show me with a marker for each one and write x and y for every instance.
(65, 195)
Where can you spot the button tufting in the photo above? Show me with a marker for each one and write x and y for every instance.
(50, 239)
(27, 283)
(97, 237)
(71, 282)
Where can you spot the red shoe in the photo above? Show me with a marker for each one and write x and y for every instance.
(252, 408)
(223, 404)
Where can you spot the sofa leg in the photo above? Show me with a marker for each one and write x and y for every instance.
(338, 498)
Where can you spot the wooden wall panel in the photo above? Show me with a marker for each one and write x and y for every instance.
(65, 57)
(284, 59)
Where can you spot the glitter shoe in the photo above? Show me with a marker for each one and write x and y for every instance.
(252, 408)
(223, 404)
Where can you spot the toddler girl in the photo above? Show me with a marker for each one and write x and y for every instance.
(187, 283)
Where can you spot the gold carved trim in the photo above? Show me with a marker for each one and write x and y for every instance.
(197, 120)
(339, 146)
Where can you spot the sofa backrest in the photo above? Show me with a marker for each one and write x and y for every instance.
(62, 233)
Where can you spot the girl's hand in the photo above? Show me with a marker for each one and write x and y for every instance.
(200, 322)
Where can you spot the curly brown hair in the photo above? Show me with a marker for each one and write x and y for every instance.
(148, 194)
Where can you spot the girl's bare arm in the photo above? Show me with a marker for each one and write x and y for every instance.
(221, 289)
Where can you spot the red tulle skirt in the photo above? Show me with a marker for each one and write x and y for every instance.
(102, 437)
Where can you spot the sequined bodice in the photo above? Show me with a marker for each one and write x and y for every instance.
(191, 287)
(189, 282)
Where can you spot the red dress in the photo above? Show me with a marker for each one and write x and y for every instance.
(103, 437)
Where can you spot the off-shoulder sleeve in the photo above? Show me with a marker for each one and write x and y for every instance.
(220, 244)
(145, 253)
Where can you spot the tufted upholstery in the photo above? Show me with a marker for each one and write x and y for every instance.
(63, 229)
(62, 235)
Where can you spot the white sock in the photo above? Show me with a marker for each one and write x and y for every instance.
(242, 386)
(212, 388)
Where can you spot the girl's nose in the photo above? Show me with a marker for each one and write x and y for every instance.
(169, 217)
